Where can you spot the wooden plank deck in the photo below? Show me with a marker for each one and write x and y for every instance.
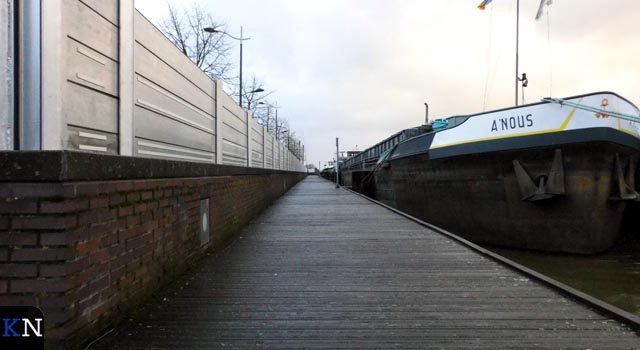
(324, 268)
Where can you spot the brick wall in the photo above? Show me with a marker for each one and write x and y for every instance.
(84, 251)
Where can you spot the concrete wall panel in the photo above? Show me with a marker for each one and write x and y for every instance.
(257, 144)
(106, 8)
(89, 68)
(152, 68)
(155, 149)
(85, 139)
(152, 39)
(156, 125)
(89, 108)
(150, 95)
(83, 24)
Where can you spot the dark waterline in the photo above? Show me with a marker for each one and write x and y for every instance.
(612, 276)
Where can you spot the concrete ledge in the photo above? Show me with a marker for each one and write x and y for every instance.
(47, 166)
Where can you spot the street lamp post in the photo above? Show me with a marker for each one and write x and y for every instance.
(269, 106)
(212, 30)
(276, 106)
(249, 101)
(287, 132)
(268, 112)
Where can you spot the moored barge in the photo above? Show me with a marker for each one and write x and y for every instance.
(554, 176)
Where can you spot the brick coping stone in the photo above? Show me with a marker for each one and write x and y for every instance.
(57, 166)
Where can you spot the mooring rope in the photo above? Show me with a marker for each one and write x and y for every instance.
(629, 117)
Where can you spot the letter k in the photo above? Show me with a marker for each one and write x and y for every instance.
(7, 327)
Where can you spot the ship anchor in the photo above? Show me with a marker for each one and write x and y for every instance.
(624, 182)
(547, 186)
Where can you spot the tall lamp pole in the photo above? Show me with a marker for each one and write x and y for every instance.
(276, 107)
(268, 112)
(269, 106)
(212, 30)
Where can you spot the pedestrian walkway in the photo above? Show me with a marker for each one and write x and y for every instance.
(324, 268)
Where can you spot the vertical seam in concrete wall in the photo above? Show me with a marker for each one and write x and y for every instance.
(264, 148)
(125, 76)
(218, 116)
(214, 113)
(53, 130)
(249, 119)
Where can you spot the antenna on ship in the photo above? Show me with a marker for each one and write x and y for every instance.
(543, 4)
(525, 83)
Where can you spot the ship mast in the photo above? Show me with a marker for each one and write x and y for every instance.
(517, 36)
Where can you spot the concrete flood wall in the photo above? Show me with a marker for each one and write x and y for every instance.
(86, 237)
(114, 84)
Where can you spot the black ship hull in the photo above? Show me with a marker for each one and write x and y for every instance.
(480, 196)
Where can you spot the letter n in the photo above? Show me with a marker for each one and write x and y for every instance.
(28, 324)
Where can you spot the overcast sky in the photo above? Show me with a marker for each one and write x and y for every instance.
(361, 70)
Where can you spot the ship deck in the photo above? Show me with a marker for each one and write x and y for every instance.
(325, 268)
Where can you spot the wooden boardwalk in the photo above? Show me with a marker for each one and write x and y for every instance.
(324, 268)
